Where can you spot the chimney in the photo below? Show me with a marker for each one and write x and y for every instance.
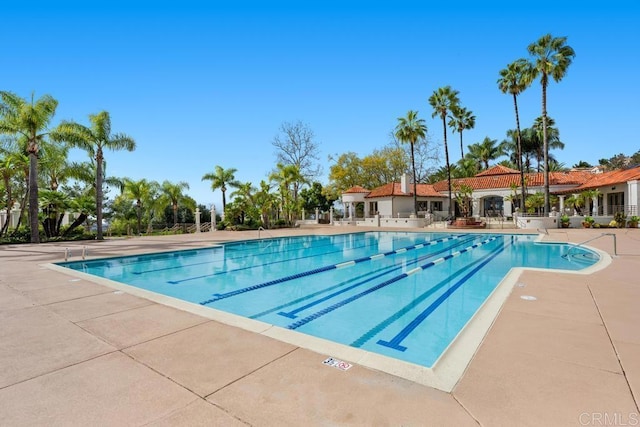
(405, 184)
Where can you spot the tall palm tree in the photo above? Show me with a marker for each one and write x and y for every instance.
(29, 120)
(552, 57)
(443, 101)
(94, 140)
(515, 79)
(222, 178)
(172, 194)
(409, 130)
(461, 119)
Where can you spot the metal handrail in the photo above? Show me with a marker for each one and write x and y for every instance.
(615, 243)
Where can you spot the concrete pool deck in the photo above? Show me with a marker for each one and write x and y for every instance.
(74, 352)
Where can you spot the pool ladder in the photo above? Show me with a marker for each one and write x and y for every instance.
(615, 244)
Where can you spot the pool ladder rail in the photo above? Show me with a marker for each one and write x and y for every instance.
(67, 253)
(615, 244)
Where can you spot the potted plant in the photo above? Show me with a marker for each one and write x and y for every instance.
(588, 222)
(633, 221)
(564, 221)
(619, 220)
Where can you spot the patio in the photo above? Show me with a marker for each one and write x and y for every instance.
(77, 353)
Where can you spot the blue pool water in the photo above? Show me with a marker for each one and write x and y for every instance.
(401, 294)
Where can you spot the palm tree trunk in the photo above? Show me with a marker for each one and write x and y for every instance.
(519, 138)
(461, 150)
(33, 194)
(139, 208)
(415, 183)
(545, 149)
(446, 155)
(99, 235)
(224, 202)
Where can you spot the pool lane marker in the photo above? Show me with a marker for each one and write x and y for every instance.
(395, 342)
(388, 282)
(367, 336)
(294, 313)
(218, 297)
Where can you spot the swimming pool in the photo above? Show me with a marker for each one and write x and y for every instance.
(404, 295)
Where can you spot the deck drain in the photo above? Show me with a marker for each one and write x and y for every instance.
(118, 292)
(528, 298)
(520, 285)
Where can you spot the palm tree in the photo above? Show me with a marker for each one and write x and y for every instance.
(7, 172)
(552, 58)
(553, 135)
(409, 130)
(138, 191)
(485, 151)
(515, 79)
(443, 101)
(221, 178)
(30, 121)
(94, 140)
(288, 178)
(461, 119)
(172, 194)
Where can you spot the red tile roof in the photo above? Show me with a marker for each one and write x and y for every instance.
(393, 189)
(497, 170)
(605, 179)
(356, 189)
(504, 181)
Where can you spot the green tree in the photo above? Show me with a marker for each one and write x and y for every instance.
(94, 139)
(552, 58)
(29, 120)
(264, 201)
(53, 204)
(315, 197)
(288, 178)
(409, 130)
(82, 205)
(244, 204)
(138, 191)
(485, 151)
(514, 80)
(582, 165)
(172, 194)
(344, 173)
(461, 119)
(444, 100)
(222, 179)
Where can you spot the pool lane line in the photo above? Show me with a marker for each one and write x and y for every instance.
(249, 267)
(398, 266)
(364, 338)
(378, 272)
(395, 342)
(388, 282)
(257, 254)
(177, 282)
(217, 297)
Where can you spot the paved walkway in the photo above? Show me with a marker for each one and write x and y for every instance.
(77, 353)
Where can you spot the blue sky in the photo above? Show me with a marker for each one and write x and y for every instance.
(199, 84)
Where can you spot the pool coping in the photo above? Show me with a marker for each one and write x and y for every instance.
(446, 371)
